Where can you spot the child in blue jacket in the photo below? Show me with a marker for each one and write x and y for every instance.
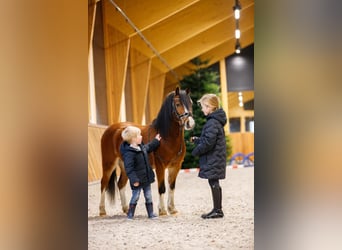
(138, 168)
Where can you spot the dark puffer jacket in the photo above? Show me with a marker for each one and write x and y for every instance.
(211, 147)
(136, 162)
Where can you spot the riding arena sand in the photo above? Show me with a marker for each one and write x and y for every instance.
(186, 230)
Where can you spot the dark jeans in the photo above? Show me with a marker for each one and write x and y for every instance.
(136, 194)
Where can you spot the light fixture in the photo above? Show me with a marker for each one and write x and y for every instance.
(240, 97)
(237, 47)
(237, 9)
(237, 34)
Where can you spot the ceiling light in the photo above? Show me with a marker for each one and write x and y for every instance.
(237, 47)
(237, 9)
(237, 33)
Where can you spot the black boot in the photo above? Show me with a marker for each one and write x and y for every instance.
(131, 211)
(149, 209)
(204, 216)
(217, 201)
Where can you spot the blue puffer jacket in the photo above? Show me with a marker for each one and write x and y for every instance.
(211, 147)
(136, 162)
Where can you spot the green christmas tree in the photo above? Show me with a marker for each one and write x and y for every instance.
(203, 80)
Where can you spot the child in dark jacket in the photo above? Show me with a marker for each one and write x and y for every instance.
(211, 149)
(138, 168)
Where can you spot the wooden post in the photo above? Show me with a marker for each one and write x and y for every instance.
(224, 92)
(91, 88)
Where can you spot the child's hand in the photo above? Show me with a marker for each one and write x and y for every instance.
(193, 138)
(158, 137)
(136, 184)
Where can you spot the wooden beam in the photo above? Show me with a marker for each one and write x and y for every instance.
(144, 14)
(196, 27)
(184, 25)
(207, 40)
(228, 48)
(91, 22)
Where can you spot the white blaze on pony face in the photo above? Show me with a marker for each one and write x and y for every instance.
(189, 121)
(190, 124)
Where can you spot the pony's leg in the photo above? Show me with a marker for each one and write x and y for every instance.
(160, 170)
(104, 184)
(173, 172)
(102, 206)
(107, 172)
(122, 187)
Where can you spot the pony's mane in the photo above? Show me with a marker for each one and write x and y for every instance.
(164, 119)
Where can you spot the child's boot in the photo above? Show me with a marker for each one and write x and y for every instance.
(131, 211)
(149, 208)
(217, 202)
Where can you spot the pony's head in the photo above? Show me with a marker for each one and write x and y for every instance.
(183, 108)
(177, 107)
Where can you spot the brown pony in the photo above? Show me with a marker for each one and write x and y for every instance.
(174, 116)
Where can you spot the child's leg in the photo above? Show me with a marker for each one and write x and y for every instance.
(216, 192)
(149, 201)
(133, 202)
(135, 196)
(148, 193)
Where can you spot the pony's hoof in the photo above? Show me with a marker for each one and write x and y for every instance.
(162, 213)
(102, 211)
(125, 209)
(173, 212)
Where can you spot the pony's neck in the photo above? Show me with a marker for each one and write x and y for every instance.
(175, 130)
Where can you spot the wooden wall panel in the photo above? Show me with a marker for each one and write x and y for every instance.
(242, 142)
(140, 67)
(248, 142)
(117, 47)
(155, 95)
(94, 152)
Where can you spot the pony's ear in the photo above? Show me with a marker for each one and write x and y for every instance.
(187, 91)
(177, 91)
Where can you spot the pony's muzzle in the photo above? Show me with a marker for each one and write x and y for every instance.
(190, 123)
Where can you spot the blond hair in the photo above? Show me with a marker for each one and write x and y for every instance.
(211, 100)
(130, 132)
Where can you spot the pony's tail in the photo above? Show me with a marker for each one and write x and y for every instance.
(111, 187)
